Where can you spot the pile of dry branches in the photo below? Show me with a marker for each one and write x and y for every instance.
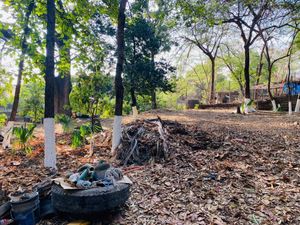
(142, 141)
(155, 140)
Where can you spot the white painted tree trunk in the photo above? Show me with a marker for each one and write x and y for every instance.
(7, 133)
(134, 112)
(50, 150)
(274, 105)
(290, 108)
(117, 133)
(297, 108)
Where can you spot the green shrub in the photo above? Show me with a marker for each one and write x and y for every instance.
(77, 139)
(144, 103)
(23, 135)
(3, 119)
(79, 135)
(126, 107)
(65, 121)
(85, 130)
(32, 100)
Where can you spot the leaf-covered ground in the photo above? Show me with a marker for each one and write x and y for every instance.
(225, 169)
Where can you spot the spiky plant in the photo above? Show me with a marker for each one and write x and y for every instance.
(65, 121)
(23, 134)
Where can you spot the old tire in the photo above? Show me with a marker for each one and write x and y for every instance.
(89, 201)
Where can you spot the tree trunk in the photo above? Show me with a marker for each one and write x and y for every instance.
(133, 97)
(247, 72)
(212, 84)
(63, 84)
(289, 86)
(120, 60)
(269, 83)
(132, 89)
(133, 101)
(259, 68)
(17, 90)
(50, 153)
(21, 63)
(241, 88)
(153, 100)
(297, 107)
(269, 88)
(118, 78)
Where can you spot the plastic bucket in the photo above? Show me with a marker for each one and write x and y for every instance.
(25, 208)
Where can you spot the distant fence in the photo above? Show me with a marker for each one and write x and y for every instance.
(282, 100)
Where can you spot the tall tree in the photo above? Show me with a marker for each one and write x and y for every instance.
(267, 38)
(233, 62)
(246, 16)
(119, 89)
(199, 31)
(254, 17)
(208, 40)
(144, 75)
(24, 47)
(50, 151)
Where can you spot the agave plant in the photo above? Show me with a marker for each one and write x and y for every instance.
(23, 135)
(65, 121)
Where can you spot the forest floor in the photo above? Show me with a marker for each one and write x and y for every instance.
(223, 168)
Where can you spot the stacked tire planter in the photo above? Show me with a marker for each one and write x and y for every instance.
(90, 201)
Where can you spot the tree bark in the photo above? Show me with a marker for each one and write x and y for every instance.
(259, 69)
(132, 88)
(133, 97)
(119, 88)
(269, 83)
(289, 86)
(21, 63)
(49, 78)
(17, 90)
(212, 84)
(247, 72)
(260, 65)
(62, 83)
(50, 152)
(120, 60)
(153, 100)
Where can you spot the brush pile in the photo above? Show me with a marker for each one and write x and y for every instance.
(156, 140)
(142, 141)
